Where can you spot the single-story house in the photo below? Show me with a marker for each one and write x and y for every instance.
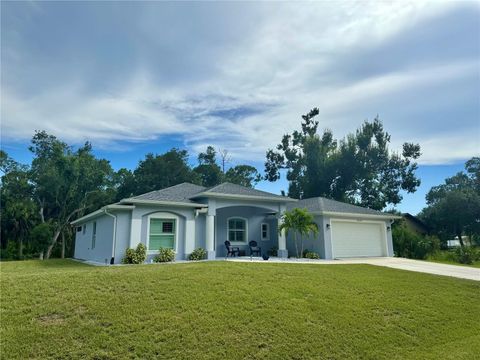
(415, 224)
(187, 216)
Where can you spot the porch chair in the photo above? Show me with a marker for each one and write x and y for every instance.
(254, 248)
(231, 251)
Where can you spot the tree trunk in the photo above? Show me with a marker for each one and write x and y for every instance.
(42, 217)
(459, 234)
(40, 257)
(54, 241)
(296, 244)
(60, 229)
(20, 248)
(63, 245)
(301, 246)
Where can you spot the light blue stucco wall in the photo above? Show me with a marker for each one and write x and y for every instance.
(139, 232)
(104, 240)
(123, 234)
(313, 243)
(132, 228)
(200, 231)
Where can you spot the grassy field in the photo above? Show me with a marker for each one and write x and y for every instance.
(225, 310)
(476, 264)
(447, 257)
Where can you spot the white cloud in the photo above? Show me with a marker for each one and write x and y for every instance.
(268, 75)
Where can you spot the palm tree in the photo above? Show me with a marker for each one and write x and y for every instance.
(300, 222)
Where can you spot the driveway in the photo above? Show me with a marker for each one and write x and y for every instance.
(461, 272)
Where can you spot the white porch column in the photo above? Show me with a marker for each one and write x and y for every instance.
(210, 236)
(282, 241)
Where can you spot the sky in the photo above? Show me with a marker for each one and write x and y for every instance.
(141, 77)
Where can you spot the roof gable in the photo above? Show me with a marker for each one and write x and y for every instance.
(228, 189)
(178, 193)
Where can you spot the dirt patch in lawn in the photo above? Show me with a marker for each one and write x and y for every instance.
(51, 319)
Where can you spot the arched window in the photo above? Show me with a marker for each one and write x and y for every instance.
(237, 230)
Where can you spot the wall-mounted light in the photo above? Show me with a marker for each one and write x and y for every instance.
(328, 226)
(388, 228)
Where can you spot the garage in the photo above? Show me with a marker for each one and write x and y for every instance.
(358, 238)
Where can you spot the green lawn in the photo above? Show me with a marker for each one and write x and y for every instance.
(447, 257)
(451, 262)
(226, 310)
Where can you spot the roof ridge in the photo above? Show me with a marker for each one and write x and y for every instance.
(324, 206)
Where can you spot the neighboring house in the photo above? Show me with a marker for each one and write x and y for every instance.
(415, 224)
(186, 216)
(456, 242)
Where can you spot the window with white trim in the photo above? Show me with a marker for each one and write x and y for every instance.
(237, 230)
(265, 232)
(161, 234)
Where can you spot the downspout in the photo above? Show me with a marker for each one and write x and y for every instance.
(112, 260)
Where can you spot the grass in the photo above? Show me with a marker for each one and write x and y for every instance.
(447, 257)
(225, 310)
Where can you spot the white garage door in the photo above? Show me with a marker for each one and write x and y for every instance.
(356, 239)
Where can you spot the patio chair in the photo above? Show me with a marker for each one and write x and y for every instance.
(254, 249)
(231, 251)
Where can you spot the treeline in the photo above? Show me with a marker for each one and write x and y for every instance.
(62, 183)
(453, 208)
(452, 211)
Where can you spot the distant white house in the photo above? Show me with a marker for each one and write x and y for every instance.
(456, 243)
(187, 216)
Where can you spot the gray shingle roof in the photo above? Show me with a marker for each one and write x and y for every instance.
(227, 188)
(177, 193)
(321, 204)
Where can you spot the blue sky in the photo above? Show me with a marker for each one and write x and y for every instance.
(143, 77)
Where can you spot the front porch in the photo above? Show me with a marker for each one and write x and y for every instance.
(240, 224)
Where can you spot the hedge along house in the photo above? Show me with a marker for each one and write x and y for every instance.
(187, 216)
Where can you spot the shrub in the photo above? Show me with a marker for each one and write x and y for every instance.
(197, 254)
(466, 255)
(409, 244)
(311, 255)
(136, 256)
(164, 255)
(10, 252)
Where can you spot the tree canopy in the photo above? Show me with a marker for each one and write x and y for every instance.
(63, 183)
(453, 208)
(211, 173)
(358, 169)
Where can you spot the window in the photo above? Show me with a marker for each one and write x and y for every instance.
(79, 228)
(237, 230)
(94, 234)
(265, 236)
(84, 229)
(161, 234)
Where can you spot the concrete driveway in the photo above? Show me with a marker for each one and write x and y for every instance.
(462, 272)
